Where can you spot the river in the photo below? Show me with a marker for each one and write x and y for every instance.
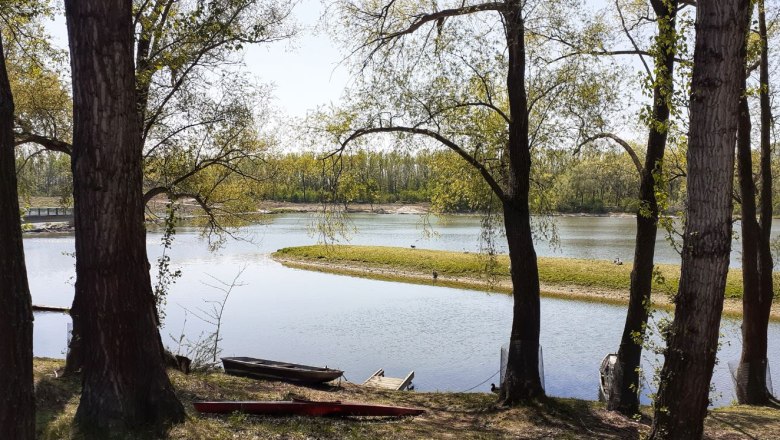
(449, 337)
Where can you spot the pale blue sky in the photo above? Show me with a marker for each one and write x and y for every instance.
(303, 71)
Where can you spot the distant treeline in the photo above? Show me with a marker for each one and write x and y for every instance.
(593, 181)
(362, 177)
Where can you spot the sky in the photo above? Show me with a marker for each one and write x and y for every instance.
(304, 72)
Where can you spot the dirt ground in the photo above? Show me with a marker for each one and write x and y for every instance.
(447, 416)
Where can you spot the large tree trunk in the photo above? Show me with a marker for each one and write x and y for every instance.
(757, 262)
(624, 395)
(17, 397)
(746, 378)
(522, 380)
(684, 385)
(124, 383)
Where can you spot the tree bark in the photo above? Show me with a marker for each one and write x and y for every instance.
(17, 396)
(124, 383)
(684, 385)
(757, 261)
(624, 395)
(522, 381)
(74, 356)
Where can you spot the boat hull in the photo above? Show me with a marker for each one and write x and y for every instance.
(306, 408)
(606, 372)
(272, 370)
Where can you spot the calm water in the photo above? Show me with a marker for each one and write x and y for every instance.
(449, 337)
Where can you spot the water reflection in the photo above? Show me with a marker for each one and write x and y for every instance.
(449, 337)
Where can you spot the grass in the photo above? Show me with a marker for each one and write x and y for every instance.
(448, 415)
(568, 278)
(554, 271)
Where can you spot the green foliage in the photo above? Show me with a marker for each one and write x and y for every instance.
(41, 92)
(203, 119)
(362, 176)
(166, 276)
(598, 180)
(44, 174)
(422, 93)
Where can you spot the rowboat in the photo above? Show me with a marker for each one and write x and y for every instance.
(265, 369)
(606, 372)
(298, 407)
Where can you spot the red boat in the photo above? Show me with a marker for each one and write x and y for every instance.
(305, 408)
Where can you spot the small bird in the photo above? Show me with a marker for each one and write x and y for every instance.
(435, 275)
(617, 261)
(494, 388)
(414, 247)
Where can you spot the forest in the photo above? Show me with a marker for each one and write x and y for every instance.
(597, 181)
(508, 109)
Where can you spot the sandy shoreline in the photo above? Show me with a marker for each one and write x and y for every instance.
(731, 307)
(271, 207)
(52, 228)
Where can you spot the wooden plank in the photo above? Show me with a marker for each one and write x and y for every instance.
(378, 380)
(379, 373)
(407, 381)
(387, 382)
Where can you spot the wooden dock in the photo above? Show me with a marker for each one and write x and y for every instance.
(378, 380)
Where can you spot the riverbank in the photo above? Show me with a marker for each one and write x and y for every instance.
(588, 280)
(191, 214)
(274, 207)
(53, 228)
(448, 415)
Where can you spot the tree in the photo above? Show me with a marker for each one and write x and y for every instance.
(624, 395)
(198, 110)
(757, 264)
(197, 118)
(42, 96)
(443, 84)
(660, 78)
(682, 400)
(597, 180)
(188, 123)
(17, 394)
(124, 382)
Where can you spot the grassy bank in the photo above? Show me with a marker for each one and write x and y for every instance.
(596, 280)
(448, 415)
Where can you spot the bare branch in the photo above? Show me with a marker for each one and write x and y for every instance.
(633, 42)
(626, 146)
(491, 181)
(48, 143)
(421, 19)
